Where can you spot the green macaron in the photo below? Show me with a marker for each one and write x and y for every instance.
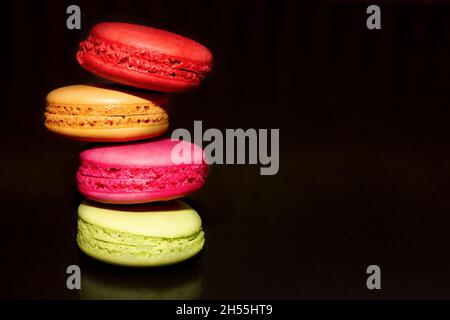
(139, 235)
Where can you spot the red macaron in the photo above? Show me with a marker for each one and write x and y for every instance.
(144, 57)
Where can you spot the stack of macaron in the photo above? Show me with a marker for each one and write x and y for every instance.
(132, 178)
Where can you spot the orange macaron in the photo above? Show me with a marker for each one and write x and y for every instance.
(106, 113)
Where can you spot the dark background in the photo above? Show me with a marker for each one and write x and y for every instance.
(364, 151)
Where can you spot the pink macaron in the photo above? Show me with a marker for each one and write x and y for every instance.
(141, 172)
(144, 57)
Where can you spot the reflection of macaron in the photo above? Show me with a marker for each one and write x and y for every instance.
(106, 113)
(101, 282)
(99, 289)
(139, 236)
(144, 57)
(141, 171)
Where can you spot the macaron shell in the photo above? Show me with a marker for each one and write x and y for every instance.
(110, 135)
(142, 153)
(166, 220)
(139, 261)
(141, 197)
(105, 94)
(152, 39)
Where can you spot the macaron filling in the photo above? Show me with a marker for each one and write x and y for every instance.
(106, 109)
(93, 176)
(141, 60)
(116, 243)
(104, 121)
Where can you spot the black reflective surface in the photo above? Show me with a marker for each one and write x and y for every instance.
(364, 152)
